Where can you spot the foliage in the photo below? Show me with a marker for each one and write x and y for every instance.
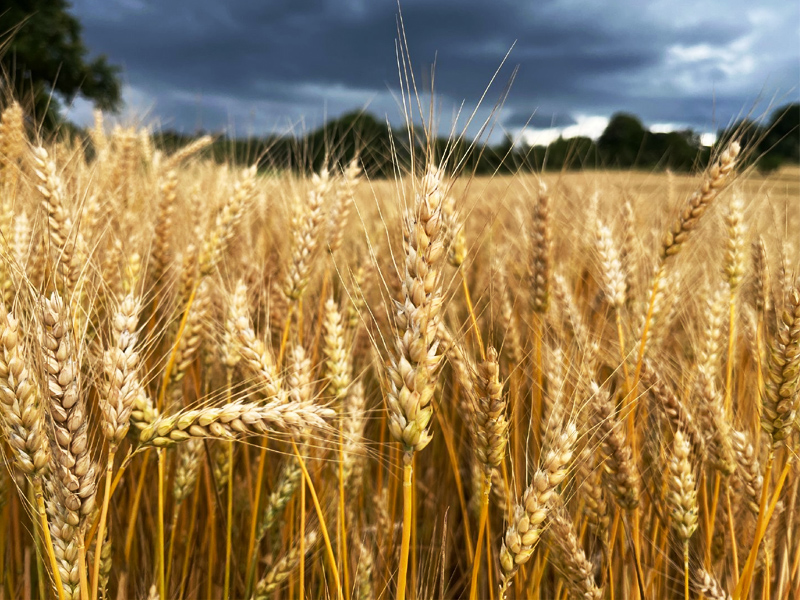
(43, 53)
(775, 142)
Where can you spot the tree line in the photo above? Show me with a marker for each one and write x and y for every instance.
(625, 144)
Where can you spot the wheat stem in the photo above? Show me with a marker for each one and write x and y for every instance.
(188, 550)
(485, 489)
(321, 517)
(229, 523)
(134, 512)
(471, 311)
(407, 514)
(48, 541)
(162, 582)
(101, 531)
(743, 587)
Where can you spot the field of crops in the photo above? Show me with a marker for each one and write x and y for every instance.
(220, 384)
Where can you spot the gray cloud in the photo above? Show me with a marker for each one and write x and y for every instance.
(538, 120)
(259, 64)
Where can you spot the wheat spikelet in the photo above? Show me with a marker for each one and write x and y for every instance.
(540, 251)
(152, 593)
(298, 381)
(280, 497)
(714, 181)
(306, 234)
(411, 369)
(508, 324)
(573, 317)
(779, 406)
(748, 470)
(221, 459)
(761, 283)
(97, 133)
(364, 589)
(612, 274)
(595, 505)
(161, 256)
(554, 409)
(628, 247)
(121, 362)
(215, 244)
(711, 410)
(345, 192)
(709, 354)
(734, 252)
(577, 570)
(12, 150)
(527, 523)
(106, 563)
(66, 542)
(71, 462)
(337, 363)
(123, 140)
(709, 587)
(186, 471)
(682, 496)
(189, 273)
(489, 422)
(619, 472)
(145, 144)
(256, 357)
(461, 364)
(677, 412)
(23, 416)
(660, 300)
(143, 411)
(714, 425)
(21, 245)
(233, 421)
(12, 134)
(284, 567)
(353, 433)
(454, 236)
(194, 333)
(59, 223)
(187, 151)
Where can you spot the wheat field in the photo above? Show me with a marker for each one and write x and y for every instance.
(217, 383)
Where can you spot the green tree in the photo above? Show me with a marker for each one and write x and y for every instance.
(43, 53)
(783, 133)
(620, 144)
(772, 143)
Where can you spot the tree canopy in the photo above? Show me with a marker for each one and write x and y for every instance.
(42, 52)
(772, 143)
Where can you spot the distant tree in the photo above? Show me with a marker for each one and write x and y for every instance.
(747, 131)
(621, 142)
(42, 52)
(354, 133)
(783, 133)
(676, 150)
(770, 144)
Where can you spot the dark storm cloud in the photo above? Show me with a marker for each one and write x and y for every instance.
(209, 62)
(538, 120)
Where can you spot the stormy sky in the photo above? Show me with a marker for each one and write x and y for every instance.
(257, 66)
